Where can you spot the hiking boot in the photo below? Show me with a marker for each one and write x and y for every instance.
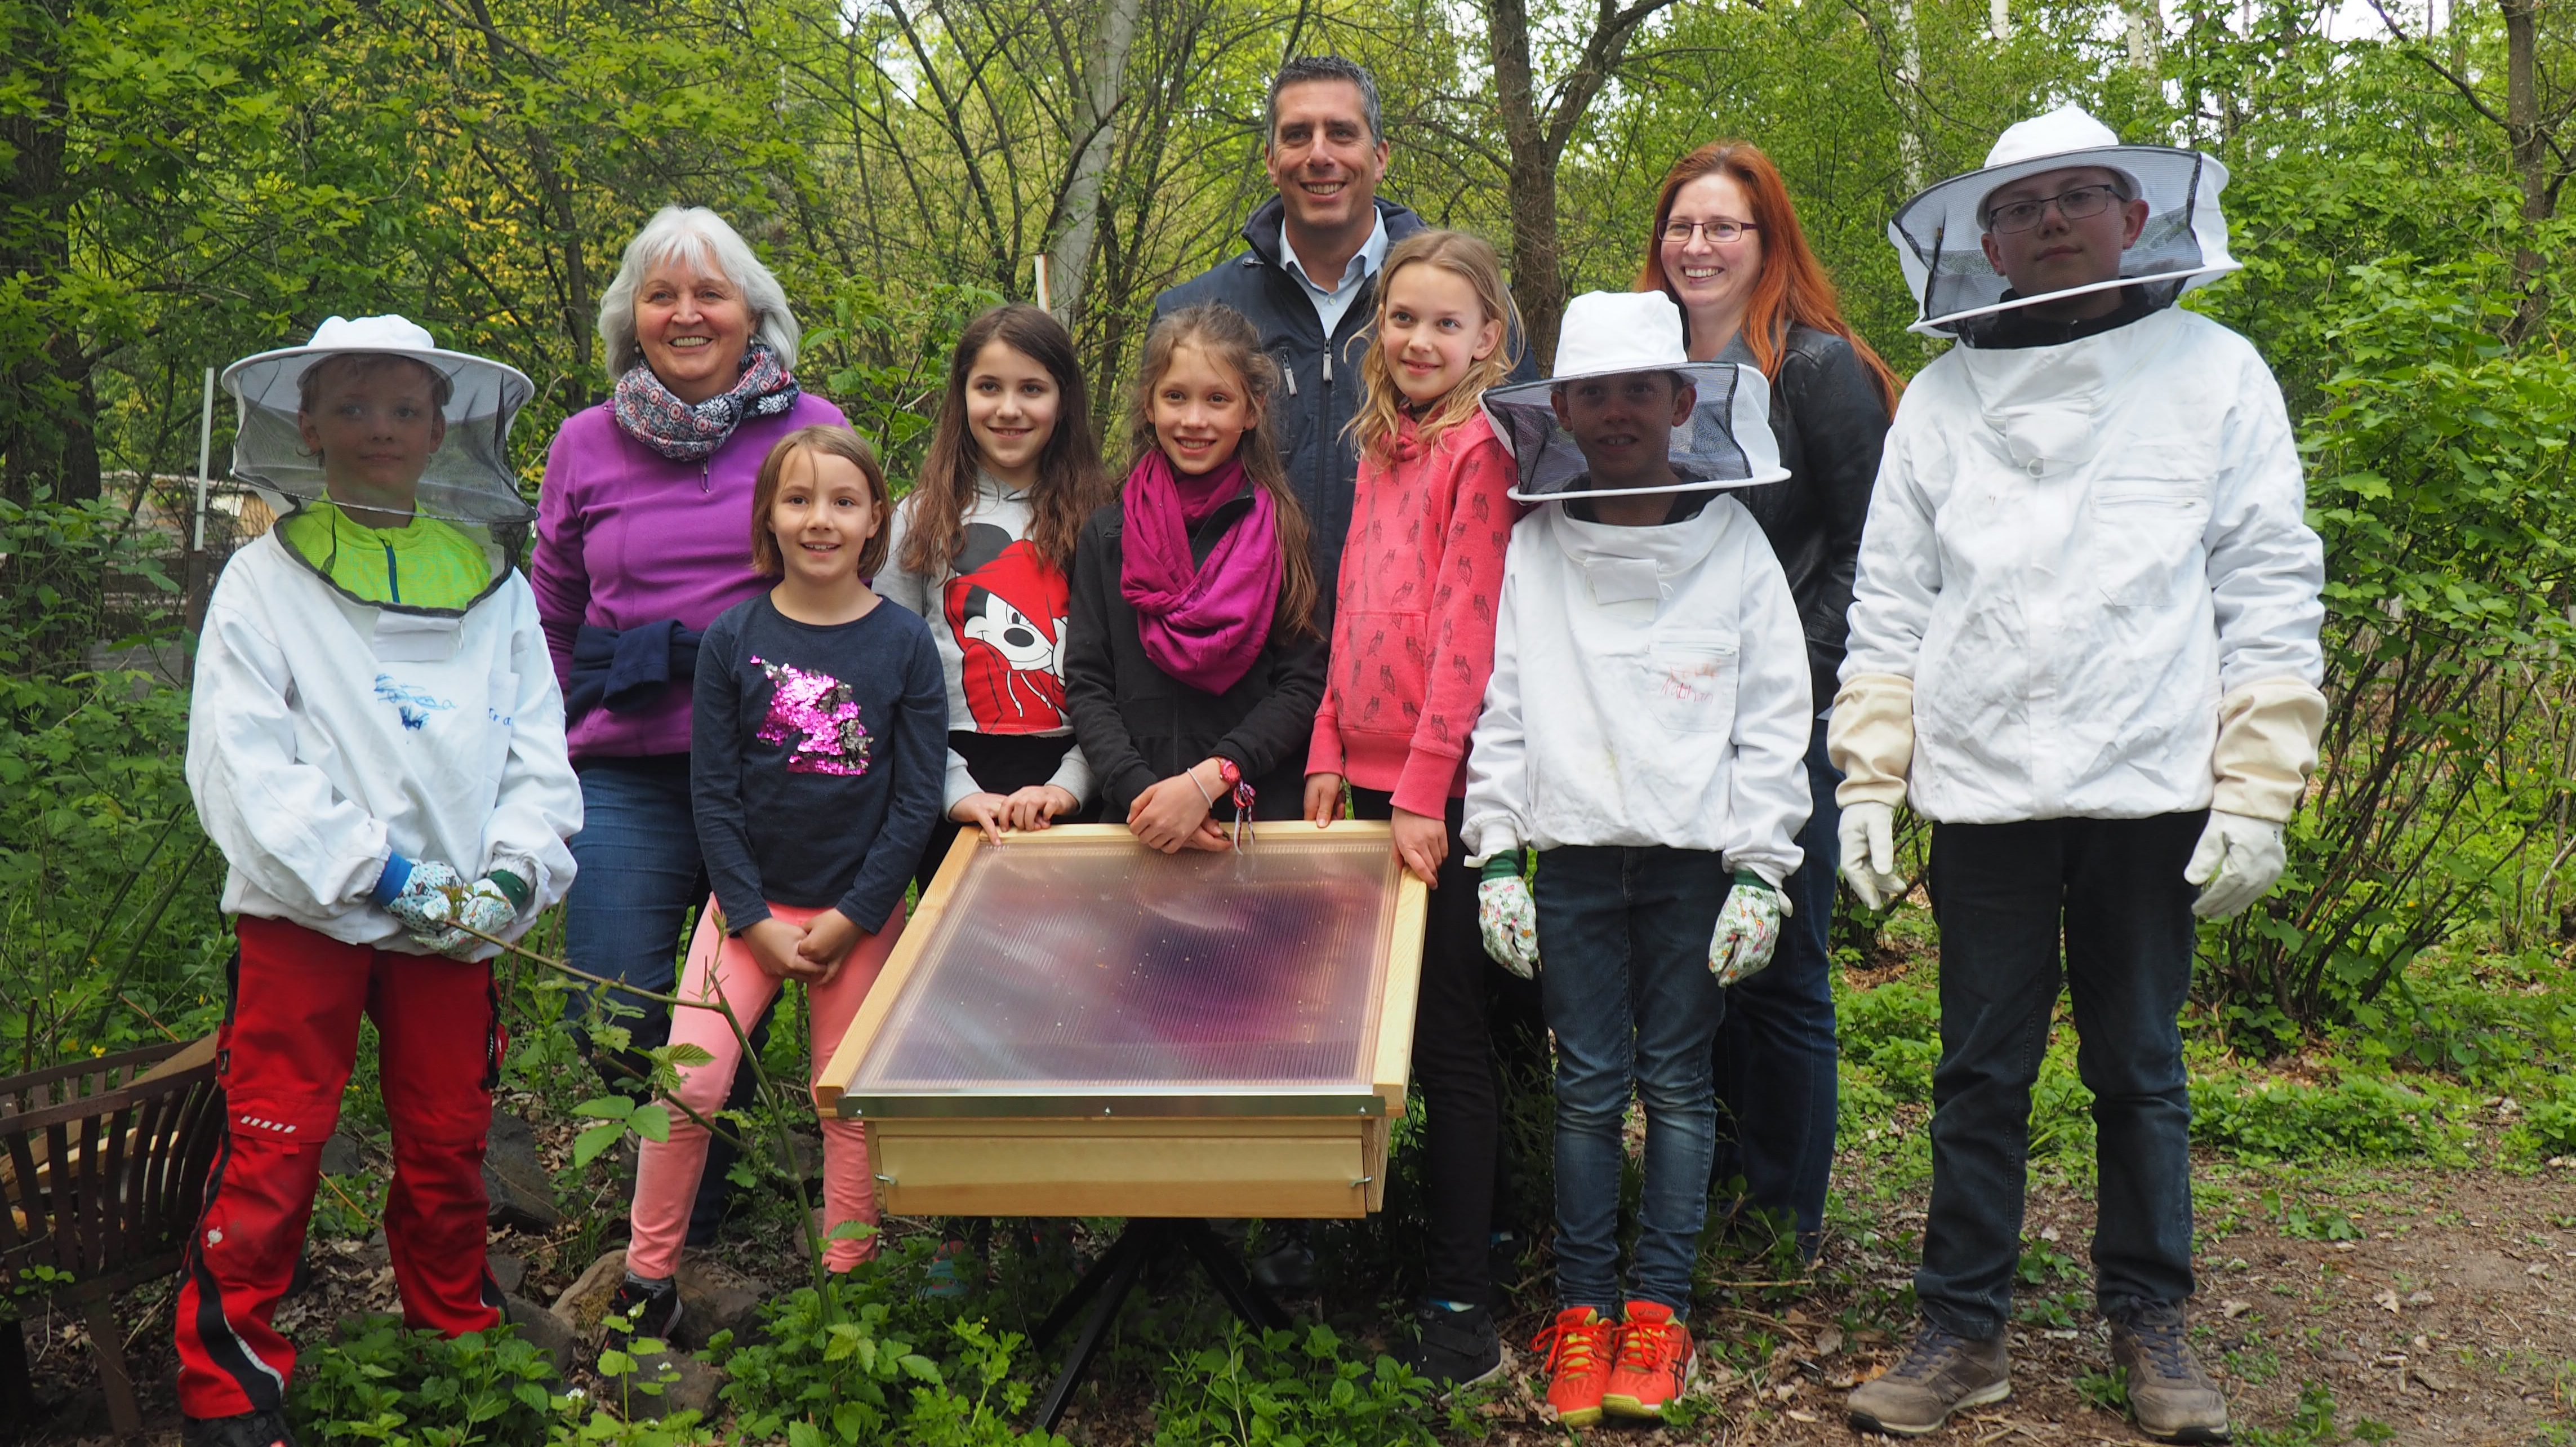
(1654, 1363)
(1453, 1348)
(2171, 1397)
(250, 1429)
(649, 1309)
(1941, 1373)
(1578, 1364)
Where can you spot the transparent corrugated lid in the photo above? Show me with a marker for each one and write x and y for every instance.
(1095, 970)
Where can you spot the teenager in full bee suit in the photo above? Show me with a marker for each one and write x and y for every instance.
(2084, 645)
(377, 747)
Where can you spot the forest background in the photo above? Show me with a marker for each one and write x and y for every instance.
(183, 182)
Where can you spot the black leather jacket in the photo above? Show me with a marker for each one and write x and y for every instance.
(1830, 424)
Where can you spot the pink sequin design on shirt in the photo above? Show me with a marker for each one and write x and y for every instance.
(815, 713)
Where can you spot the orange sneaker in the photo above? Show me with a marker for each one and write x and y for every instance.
(1654, 1363)
(1578, 1364)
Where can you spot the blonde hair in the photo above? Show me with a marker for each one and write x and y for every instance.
(1471, 259)
(1230, 341)
(832, 441)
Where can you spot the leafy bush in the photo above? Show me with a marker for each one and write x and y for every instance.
(380, 1383)
(1289, 1388)
(2355, 1116)
(1893, 1032)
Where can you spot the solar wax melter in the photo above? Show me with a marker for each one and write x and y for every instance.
(1076, 1025)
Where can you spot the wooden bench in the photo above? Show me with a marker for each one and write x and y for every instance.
(102, 1171)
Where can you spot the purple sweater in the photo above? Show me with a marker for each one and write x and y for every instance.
(625, 537)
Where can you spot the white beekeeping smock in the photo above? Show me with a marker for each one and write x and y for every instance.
(331, 730)
(2081, 562)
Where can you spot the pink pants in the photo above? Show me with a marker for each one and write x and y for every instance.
(666, 1172)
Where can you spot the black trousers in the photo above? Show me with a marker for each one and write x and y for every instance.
(1475, 1025)
(2004, 896)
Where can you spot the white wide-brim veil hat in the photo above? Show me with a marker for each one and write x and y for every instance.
(468, 479)
(1726, 443)
(1939, 235)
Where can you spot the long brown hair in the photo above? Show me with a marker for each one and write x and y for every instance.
(1471, 259)
(1070, 484)
(1228, 340)
(833, 441)
(1793, 286)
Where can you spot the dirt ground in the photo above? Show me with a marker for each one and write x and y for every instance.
(2443, 1318)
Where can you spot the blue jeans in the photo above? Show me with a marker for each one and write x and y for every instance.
(1623, 947)
(1777, 1088)
(639, 883)
(2002, 894)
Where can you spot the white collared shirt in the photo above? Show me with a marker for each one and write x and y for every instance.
(1331, 303)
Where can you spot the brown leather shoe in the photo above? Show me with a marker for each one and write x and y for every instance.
(1941, 1373)
(2170, 1395)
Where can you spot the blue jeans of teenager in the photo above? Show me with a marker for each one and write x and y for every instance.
(1623, 976)
(639, 879)
(2002, 894)
(1777, 1090)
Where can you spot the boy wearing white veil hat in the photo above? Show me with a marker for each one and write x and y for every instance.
(1642, 731)
(377, 747)
(2084, 644)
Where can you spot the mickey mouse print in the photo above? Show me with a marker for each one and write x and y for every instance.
(1006, 612)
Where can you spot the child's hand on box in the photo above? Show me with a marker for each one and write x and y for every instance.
(1748, 929)
(1323, 798)
(1421, 843)
(1172, 813)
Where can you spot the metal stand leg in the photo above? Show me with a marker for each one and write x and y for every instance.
(1248, 1300)
(1115, 1275)
(1126, 1262)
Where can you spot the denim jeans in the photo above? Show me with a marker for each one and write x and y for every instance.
(1623, 975)
(1777, 1089)
(2001, 894)
(639, 882)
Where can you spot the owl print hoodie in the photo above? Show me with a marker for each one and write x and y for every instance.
(1413, 634)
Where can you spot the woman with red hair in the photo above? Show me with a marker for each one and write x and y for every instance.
(1726, 248)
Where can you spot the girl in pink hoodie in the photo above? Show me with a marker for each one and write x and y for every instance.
(1413, 642)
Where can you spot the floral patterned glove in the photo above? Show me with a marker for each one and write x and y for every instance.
(491, 905)
(423, 897)
(1506, 916)
(1748, 929)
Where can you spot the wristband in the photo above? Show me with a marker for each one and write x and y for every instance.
(1504, 864)
(513, 886)
(397, 873)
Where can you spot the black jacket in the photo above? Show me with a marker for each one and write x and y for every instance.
(1826, 414)
(1138, 725)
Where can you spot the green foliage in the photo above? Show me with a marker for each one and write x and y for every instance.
(380, 1383)
(862, 1360)
(107, 888)
(2312, 1424)
(1892, 1035)
(2354, 1115)
(1292, 1389)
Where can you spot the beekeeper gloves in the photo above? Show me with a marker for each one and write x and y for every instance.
(1506, 916)
(1748, 929)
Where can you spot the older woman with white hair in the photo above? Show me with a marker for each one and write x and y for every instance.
(643, 537)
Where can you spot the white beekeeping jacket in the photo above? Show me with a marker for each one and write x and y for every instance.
(2072, 553)
(1650, 686)
(328, 733)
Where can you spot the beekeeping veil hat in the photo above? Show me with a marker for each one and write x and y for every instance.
(1726, 442)
(466, 484)
(1939, 234)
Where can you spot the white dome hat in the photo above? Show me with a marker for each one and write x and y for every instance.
(1726, 443)
(1938, 234)
(467, 480)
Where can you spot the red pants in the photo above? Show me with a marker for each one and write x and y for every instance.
(289, 1041)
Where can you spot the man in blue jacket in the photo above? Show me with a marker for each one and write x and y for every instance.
(1308, 279)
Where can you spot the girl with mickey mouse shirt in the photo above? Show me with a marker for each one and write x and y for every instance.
(981, 548)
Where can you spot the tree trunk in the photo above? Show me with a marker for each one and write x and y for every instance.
(1538, 284)
(1070, 261)
(2530, 156)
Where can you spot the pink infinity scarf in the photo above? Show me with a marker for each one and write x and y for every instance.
(1204, 623)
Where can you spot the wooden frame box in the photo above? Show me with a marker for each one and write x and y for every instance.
(1076, 1025)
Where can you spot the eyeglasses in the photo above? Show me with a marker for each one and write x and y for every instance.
(1679, 233)
(2074, 205)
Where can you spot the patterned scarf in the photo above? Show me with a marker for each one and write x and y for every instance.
(685, 432)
